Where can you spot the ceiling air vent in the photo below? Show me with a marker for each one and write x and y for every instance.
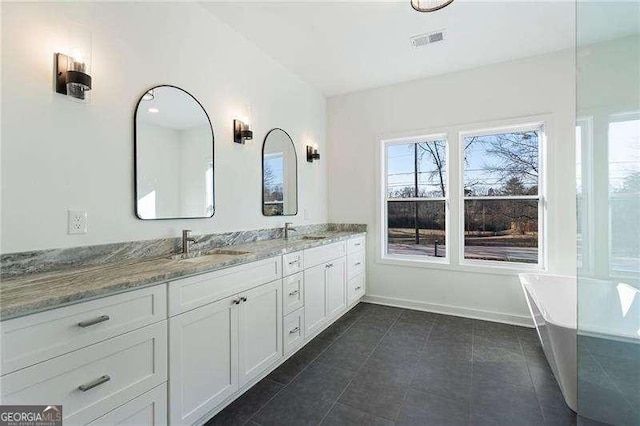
(424, 39)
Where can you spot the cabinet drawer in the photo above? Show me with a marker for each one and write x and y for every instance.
(356, 244)
(322, 254)
(190, 293)
(92, 381)
(293, 331)
(292, 263)
(149, 409)
(355, 264)
(39, 337)
(356, 288)
(293, 292)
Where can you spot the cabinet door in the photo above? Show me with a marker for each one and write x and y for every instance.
(260, 330)
(315, 313)
(203, 369)
(336, 287)
(149, 409)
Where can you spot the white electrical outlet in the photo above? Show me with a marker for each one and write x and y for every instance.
(77, 222)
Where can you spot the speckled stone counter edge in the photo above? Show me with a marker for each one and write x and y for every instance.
(37, 292)
(15, 264)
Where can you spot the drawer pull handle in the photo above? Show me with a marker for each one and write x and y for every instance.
(236, 301)
(294, 292)
(96, 382)
(329, 265)
(294, 262)
(94, 321)
(357, 244)
(358, 263)
(243, 299)
(295, 330)
(358, 288)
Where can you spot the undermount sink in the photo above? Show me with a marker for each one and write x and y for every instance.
(201, 254)
(314, 237)
(228, 252)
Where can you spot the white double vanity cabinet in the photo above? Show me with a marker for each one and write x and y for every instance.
(178, 352)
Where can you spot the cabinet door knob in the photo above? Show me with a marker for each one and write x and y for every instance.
(93, 321)
(294, 292)
(243, 299)
(358, 288)
(236, 301)
(93, 384)
(295, 330)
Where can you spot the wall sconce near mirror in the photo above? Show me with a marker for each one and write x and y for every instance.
(312, 154)
(241, 132)
(71, 76)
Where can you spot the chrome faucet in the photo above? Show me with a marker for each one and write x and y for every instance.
(287, 228)
(186, 239)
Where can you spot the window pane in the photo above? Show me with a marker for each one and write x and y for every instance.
(432, 168)
(401, 171)
(501, 164)
(501, 230)
(416, 228)
(624, 196)
(416, 170)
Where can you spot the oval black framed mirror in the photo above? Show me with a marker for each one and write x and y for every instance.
(174, 150)
(279, 175)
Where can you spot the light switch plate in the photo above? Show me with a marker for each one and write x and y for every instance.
(76, 222)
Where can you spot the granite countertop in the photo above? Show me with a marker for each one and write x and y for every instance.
(30, 293)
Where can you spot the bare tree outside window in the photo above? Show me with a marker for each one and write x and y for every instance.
(416, 194)
(273, 187)
(501, 196)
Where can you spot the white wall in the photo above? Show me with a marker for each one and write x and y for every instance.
(59, 155)
(541, 85)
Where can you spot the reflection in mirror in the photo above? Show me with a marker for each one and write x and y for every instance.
(174, 156)
(279, 175)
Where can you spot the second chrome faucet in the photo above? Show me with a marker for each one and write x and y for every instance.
(187, 239)
(288, 228)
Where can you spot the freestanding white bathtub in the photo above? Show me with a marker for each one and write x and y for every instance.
(553, 305)
(608, 310)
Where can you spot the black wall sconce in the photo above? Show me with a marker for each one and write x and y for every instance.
(71, 77)
(241, 132)
(312, 154)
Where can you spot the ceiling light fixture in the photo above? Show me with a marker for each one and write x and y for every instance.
(429, 5)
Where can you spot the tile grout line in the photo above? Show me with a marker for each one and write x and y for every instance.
(535, 390)
(413, 376)
(473, 345)
(611, 379)
(301, 371)
(358, 370)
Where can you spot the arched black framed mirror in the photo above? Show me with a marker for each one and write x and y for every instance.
(279, 175)
(173, 140)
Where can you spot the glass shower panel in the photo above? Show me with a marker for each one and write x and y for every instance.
(608, 189)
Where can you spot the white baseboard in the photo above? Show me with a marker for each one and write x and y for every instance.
(524, 321)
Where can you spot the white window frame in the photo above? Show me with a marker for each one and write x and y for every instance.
(541, 197)
(586, 177)
(419, 259)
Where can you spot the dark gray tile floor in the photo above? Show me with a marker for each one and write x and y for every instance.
(379, 365)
